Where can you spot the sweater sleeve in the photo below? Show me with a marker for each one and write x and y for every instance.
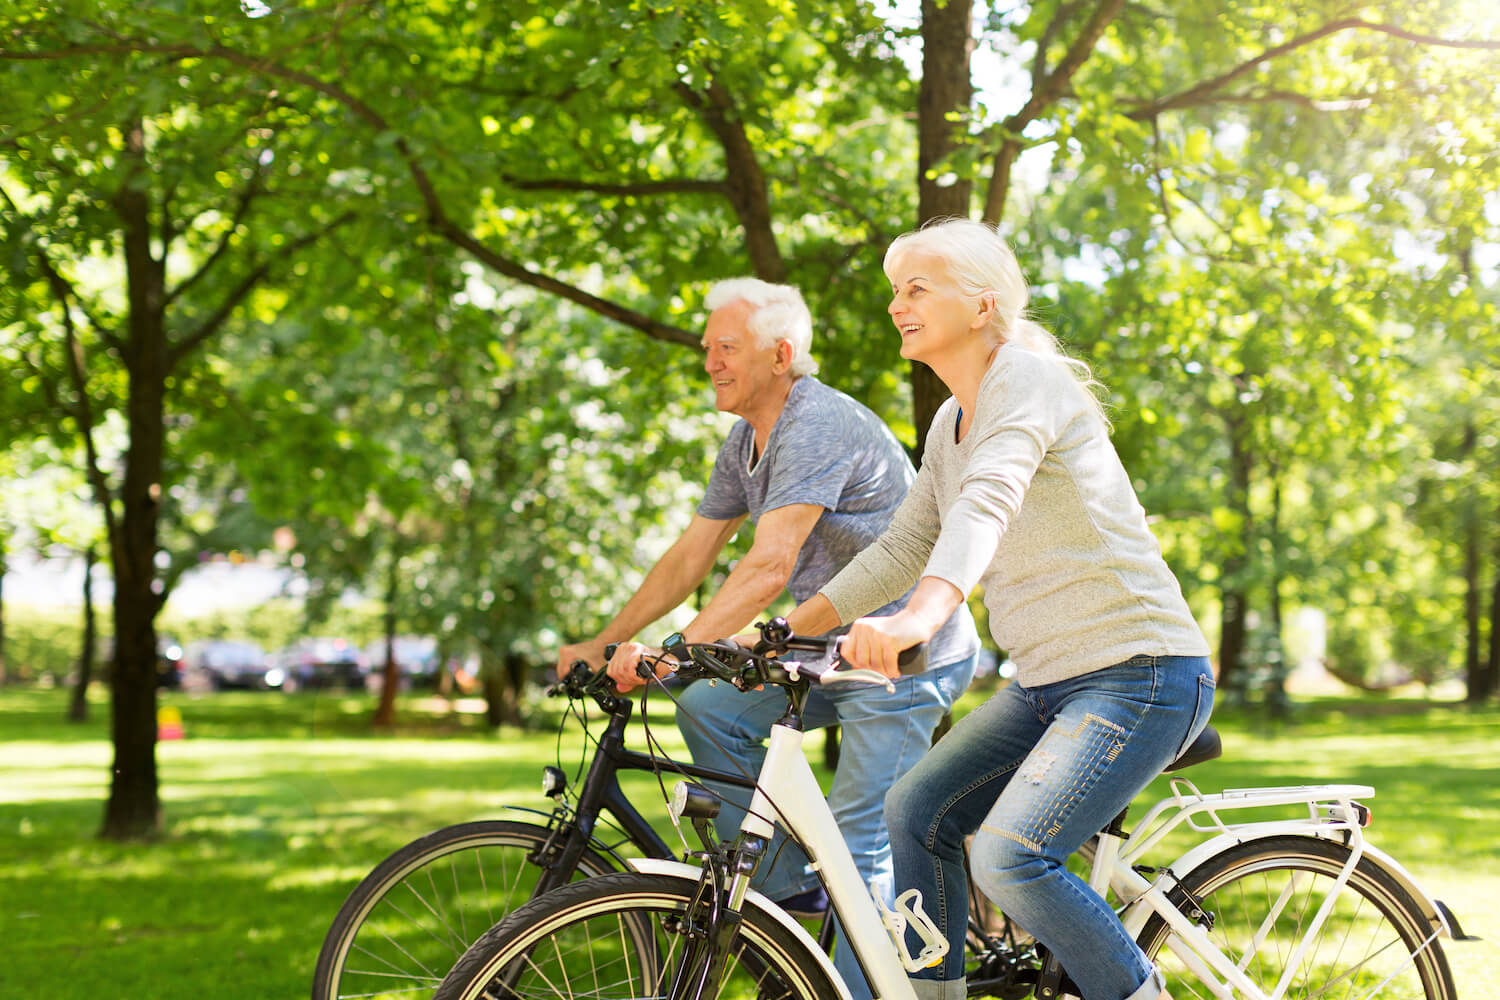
(1023, 404)
(886, 569)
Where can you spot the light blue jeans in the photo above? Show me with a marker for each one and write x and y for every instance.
(1034, 773)
(883, 736)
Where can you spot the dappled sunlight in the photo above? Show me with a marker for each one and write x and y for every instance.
(339, 876)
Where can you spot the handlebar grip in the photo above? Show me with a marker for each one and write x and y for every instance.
(912, 660)
(609, 651)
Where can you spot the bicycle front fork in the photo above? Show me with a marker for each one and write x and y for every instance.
(712, 919)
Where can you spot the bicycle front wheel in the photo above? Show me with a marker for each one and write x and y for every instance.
(1263, 897)
(413, 916)
(631, 936)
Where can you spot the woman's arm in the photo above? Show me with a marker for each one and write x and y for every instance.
(874, 643)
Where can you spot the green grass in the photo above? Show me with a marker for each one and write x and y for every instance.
(275, 806)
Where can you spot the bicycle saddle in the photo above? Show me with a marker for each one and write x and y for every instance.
(1206, 747)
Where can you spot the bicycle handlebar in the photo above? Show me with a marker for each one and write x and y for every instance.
(581, 682)
(768, 662)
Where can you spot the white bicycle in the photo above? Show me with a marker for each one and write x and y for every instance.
(1293, 906)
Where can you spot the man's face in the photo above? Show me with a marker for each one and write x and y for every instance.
(741, 371)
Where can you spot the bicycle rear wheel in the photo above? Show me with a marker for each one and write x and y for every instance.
(1263, 896)
(413, 916)
(627, 936)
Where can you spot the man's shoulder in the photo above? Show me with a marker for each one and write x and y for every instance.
(817, 402)
(820, 420)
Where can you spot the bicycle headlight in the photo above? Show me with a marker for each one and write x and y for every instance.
(554, 782)
(693, 801)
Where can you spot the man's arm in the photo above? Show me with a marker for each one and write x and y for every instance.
(667, 585)
(759, 578)
(754, 583)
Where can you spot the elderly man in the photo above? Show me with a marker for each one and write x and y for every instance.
(820, 476)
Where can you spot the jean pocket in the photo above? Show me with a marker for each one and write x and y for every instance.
(1203, 708)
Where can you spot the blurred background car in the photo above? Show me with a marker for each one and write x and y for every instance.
(234, 663)
(169, 665)
(416, 660)
(324, 662)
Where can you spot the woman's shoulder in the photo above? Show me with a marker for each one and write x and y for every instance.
(1018, 369)
(1013, 362)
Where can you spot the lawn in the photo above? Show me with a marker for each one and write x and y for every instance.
(276, 805)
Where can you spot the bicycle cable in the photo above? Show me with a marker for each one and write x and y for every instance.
(789, 837)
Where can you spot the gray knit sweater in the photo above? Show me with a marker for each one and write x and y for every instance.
(1073, 578)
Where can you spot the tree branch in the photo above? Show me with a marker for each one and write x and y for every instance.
(611, 310)
(242, 207)
(674, 186)
(1051, 87)
(437, 218)
(1201, 93)
(83, 413)
(237, 295)
(60, 285)
(746, 182)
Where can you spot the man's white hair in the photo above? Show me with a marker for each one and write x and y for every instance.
(777, 313)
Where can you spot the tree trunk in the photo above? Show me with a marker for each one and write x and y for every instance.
(1276, 698)
(4, 565)
(831, 745)
(502, 688)
(134, 808)
(1474, 672)
(1492, 665)
(1235, 604)
(385, 712)
(947, 45)
(78, 709)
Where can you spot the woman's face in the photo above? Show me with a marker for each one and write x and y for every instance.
(933, 315)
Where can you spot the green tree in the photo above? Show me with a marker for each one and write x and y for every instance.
(110, 154)
(1198, 159)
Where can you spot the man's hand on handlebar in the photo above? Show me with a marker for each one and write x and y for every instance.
(629, 656)
(590, 651)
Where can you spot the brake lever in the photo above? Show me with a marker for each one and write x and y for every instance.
(859, 674)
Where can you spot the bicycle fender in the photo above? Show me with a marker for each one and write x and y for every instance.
(1431, 909)
(690, 874)
(543, 813)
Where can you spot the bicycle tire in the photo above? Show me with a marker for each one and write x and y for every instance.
(619, 936)
(1364, 948)
(459, 881)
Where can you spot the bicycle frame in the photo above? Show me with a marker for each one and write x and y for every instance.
(1332, 814)
(601, 792)
(788, 791)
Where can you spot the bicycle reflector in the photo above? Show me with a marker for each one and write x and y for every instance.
(554, 782)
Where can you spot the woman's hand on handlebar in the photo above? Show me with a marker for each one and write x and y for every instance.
(622, 666)
(876, 643)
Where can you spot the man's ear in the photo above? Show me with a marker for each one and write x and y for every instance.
(784, 351)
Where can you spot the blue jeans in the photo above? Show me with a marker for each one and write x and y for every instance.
(1034, 773)
(883, 736)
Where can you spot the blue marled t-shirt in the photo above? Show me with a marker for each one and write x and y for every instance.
(832, 452)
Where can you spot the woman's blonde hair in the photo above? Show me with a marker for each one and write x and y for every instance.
(983, 264)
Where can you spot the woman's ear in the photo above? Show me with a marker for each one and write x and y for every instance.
(784, 352)
(986, 311)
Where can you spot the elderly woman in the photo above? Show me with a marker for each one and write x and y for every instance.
(1022, 493)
